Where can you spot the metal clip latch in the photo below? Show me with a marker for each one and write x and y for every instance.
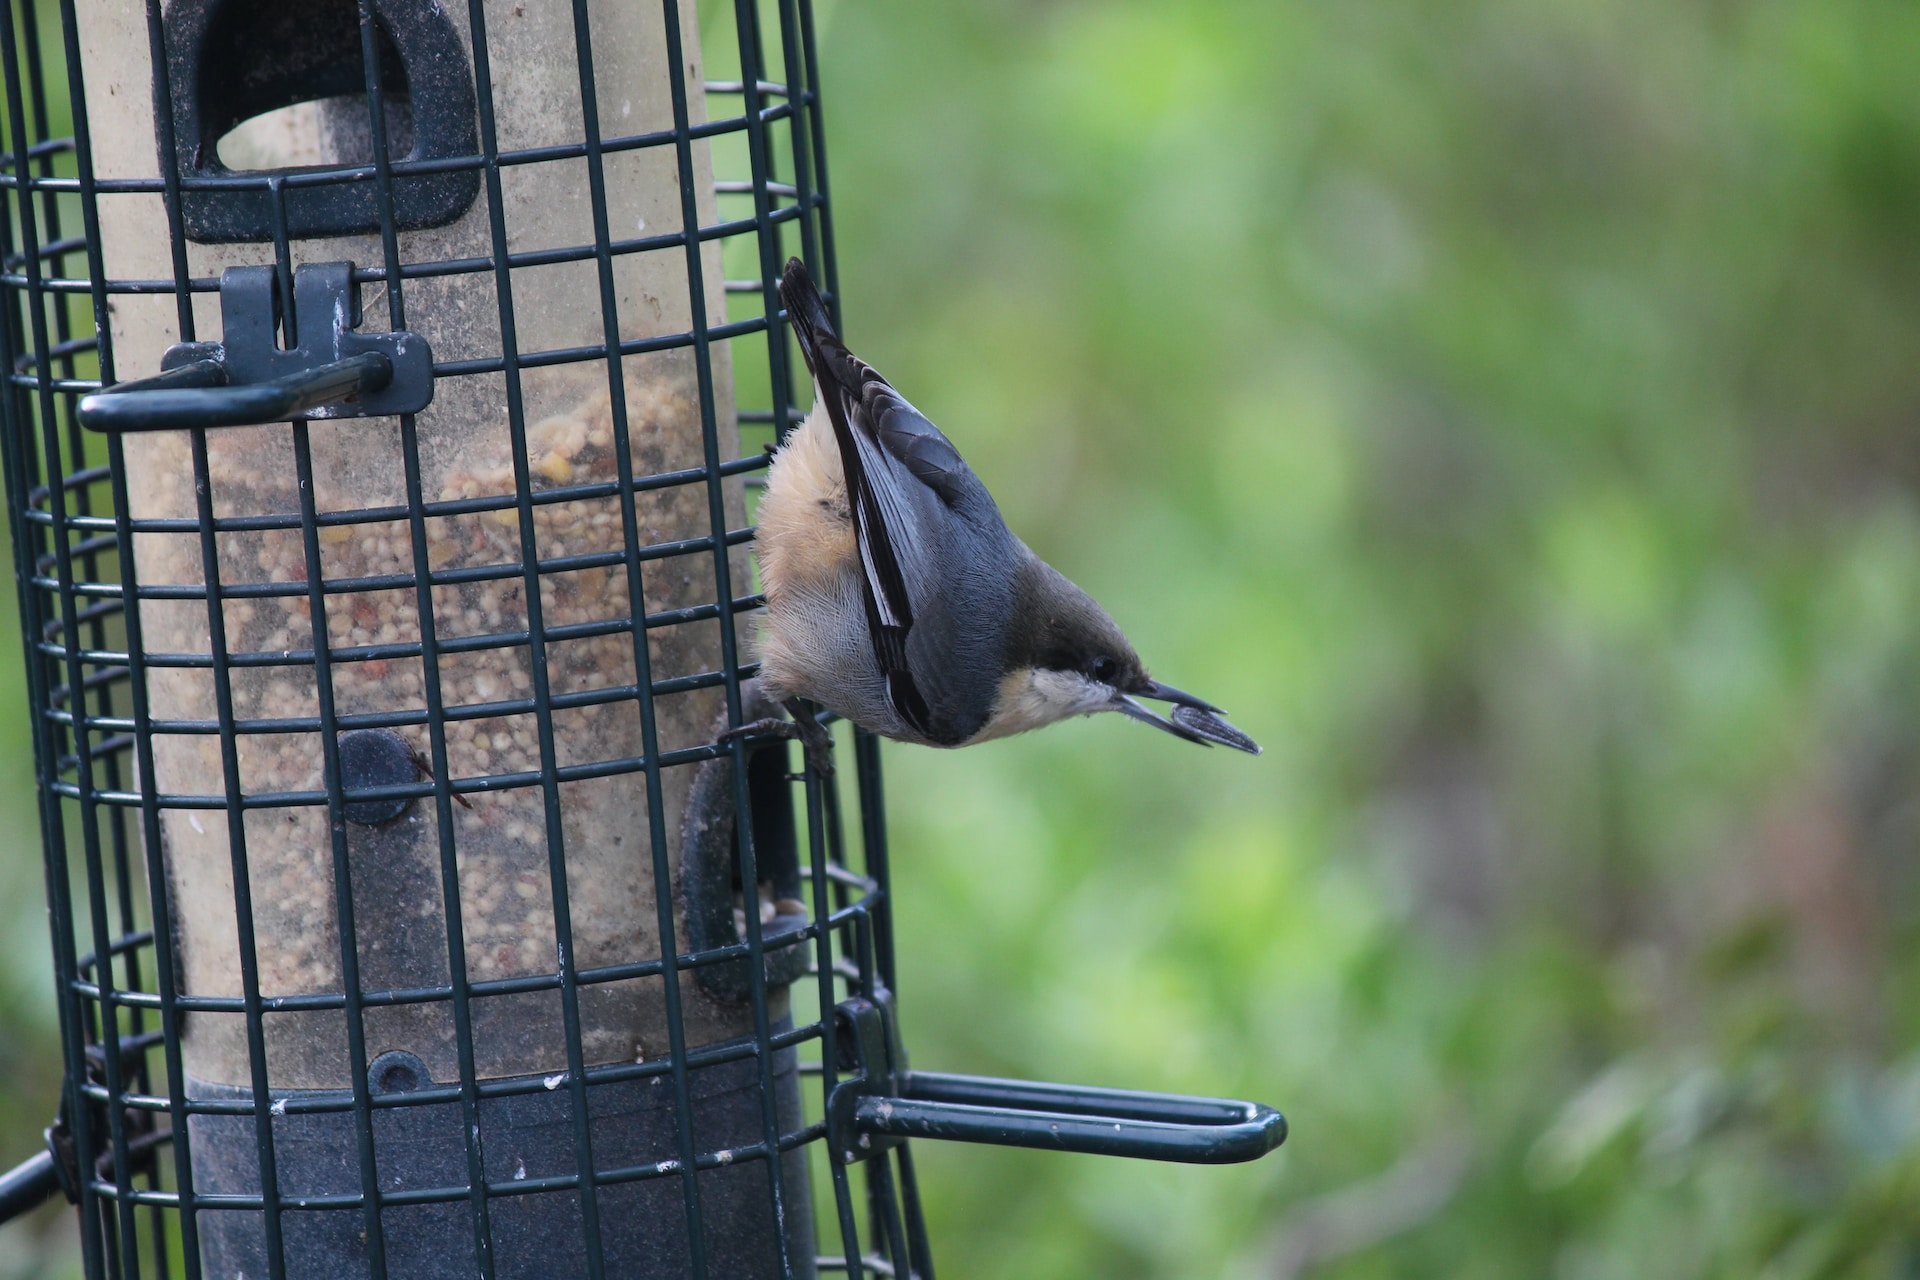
(871, 1053)
(327, 370)
(57, 1168)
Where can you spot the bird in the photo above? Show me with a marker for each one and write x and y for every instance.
(898, 599)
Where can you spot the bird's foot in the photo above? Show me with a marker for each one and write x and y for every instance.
(767, 727)
(814, 737)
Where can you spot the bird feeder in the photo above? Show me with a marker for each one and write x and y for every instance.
(380, 496)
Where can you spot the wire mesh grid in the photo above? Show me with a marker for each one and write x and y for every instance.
(97, 651)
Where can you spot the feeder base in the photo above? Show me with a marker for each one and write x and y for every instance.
(537, 1235)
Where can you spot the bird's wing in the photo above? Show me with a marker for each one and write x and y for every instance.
(919, 446)
(886, 528)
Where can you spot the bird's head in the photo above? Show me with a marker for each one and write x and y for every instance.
(1068, 657)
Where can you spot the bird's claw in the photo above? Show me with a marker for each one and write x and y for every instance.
(766, 727)
(814, 738)
(819, 757)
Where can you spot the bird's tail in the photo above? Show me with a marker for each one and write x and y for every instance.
(807, 312)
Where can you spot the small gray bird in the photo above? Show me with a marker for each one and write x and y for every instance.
(898, 598)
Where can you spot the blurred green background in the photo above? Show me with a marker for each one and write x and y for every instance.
(1508, 411)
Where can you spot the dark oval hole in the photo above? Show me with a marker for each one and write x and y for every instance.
(258, 87)
(296, 92)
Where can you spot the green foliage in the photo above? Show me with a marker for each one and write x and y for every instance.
(1505, 410)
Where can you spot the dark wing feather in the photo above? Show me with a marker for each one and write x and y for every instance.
(920, 446)
(879, 519)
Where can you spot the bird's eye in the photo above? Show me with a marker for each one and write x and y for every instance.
(1104, 669)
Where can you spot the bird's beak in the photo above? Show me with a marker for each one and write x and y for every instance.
(1193, 719)
(1167, 693)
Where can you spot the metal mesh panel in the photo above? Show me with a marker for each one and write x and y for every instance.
(370, 580)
